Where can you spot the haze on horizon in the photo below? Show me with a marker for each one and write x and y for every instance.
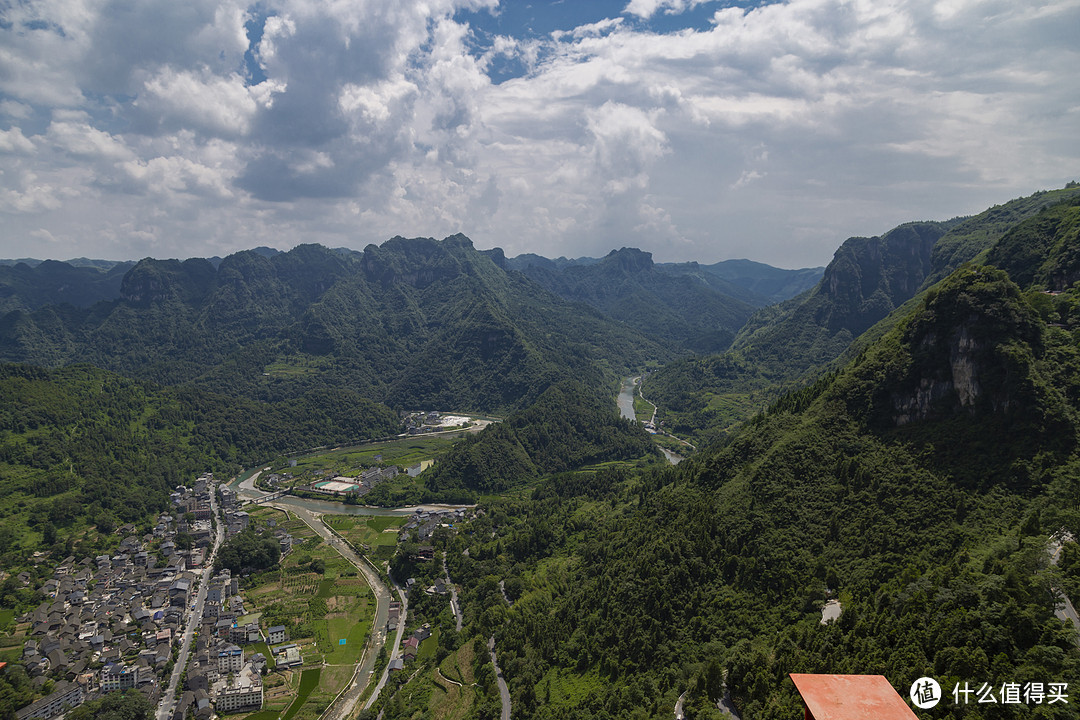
(692, 129)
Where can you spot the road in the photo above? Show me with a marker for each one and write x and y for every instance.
(1064, 609)
(504, 691)
(168, 701)
(454, 605)
(395, 649)
(346, 701)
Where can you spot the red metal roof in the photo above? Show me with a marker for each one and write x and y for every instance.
(851, 697)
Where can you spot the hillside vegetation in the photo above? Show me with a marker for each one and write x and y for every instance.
(81, 446)
(917, 484)
(869, 281)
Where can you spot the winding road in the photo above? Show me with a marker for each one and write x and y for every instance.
(345, 703)
(504, 691)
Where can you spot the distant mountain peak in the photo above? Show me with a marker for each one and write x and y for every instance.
(629, 260)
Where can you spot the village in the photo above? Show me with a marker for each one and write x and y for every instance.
(117, 622)
(114, 622)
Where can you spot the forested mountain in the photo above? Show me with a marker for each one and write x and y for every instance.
(917, 484)
(767, 284)
(79, 445)
(29, 287)
(565, 429)
(679, 309)
(411, 323)
(787, 344)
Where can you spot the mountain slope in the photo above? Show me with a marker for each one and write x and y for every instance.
(79, 445)
(677, 309)
(915, 484)
(26, 287)
(412, 322)
(769, 285)
(863, 289)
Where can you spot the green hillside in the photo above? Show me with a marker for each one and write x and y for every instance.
(917, 485)
(869, 281)
(412, 323)
(565, 429)
(81, 446)
(676, 308)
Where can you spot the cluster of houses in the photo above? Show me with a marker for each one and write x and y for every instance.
(424, 522)
(237, 521)
(410, 647)
(109, 623)
(417, 423)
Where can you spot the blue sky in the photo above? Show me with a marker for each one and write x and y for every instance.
(691, 129)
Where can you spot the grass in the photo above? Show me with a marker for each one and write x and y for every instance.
(643, 408)
(6, 616)
(351, 460)
(374, 532)
(309, 680)
(427, 647)
(562, 688)
(453, 702)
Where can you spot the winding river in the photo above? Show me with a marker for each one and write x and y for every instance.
(625, 402)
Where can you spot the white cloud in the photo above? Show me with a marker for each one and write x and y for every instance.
(222, 105)
(774, 133)
(647, 8)
(13, 141)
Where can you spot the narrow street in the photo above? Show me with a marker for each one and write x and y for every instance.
(168, 700)
(504, 691)
(454, 604)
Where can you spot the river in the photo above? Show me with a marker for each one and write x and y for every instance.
(626, 397)
(625, 402)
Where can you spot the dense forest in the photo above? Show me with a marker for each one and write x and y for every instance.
(81, 446)
(917, 486)
(565, 429)
(411, 323)
(864, 291)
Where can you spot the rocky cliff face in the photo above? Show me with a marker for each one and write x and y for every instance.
(869, 277)
(971, 349)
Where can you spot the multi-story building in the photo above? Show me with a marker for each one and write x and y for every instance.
(118, 677)
(67, 695)
(230, 659)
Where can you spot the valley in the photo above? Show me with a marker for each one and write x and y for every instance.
(656, 479)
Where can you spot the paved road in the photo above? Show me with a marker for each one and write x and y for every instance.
(453, 596)
(395, 649)
(1064, 609)
(345, 703)
(504, 691)
(165, 708)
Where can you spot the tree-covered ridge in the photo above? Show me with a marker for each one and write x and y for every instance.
(768, 285)
(565, 429)
(1043, 251)
(25, 287)
(413, 323)
(81, 446)
(864, 291)
(676, 308)
(930, 530)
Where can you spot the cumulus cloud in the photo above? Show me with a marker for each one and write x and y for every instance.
(648, 8)
(772, 132)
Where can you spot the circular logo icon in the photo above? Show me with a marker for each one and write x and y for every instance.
(925, 693)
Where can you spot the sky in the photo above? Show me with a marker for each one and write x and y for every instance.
(693, 129)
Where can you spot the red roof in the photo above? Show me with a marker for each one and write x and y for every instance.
(851, 697)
